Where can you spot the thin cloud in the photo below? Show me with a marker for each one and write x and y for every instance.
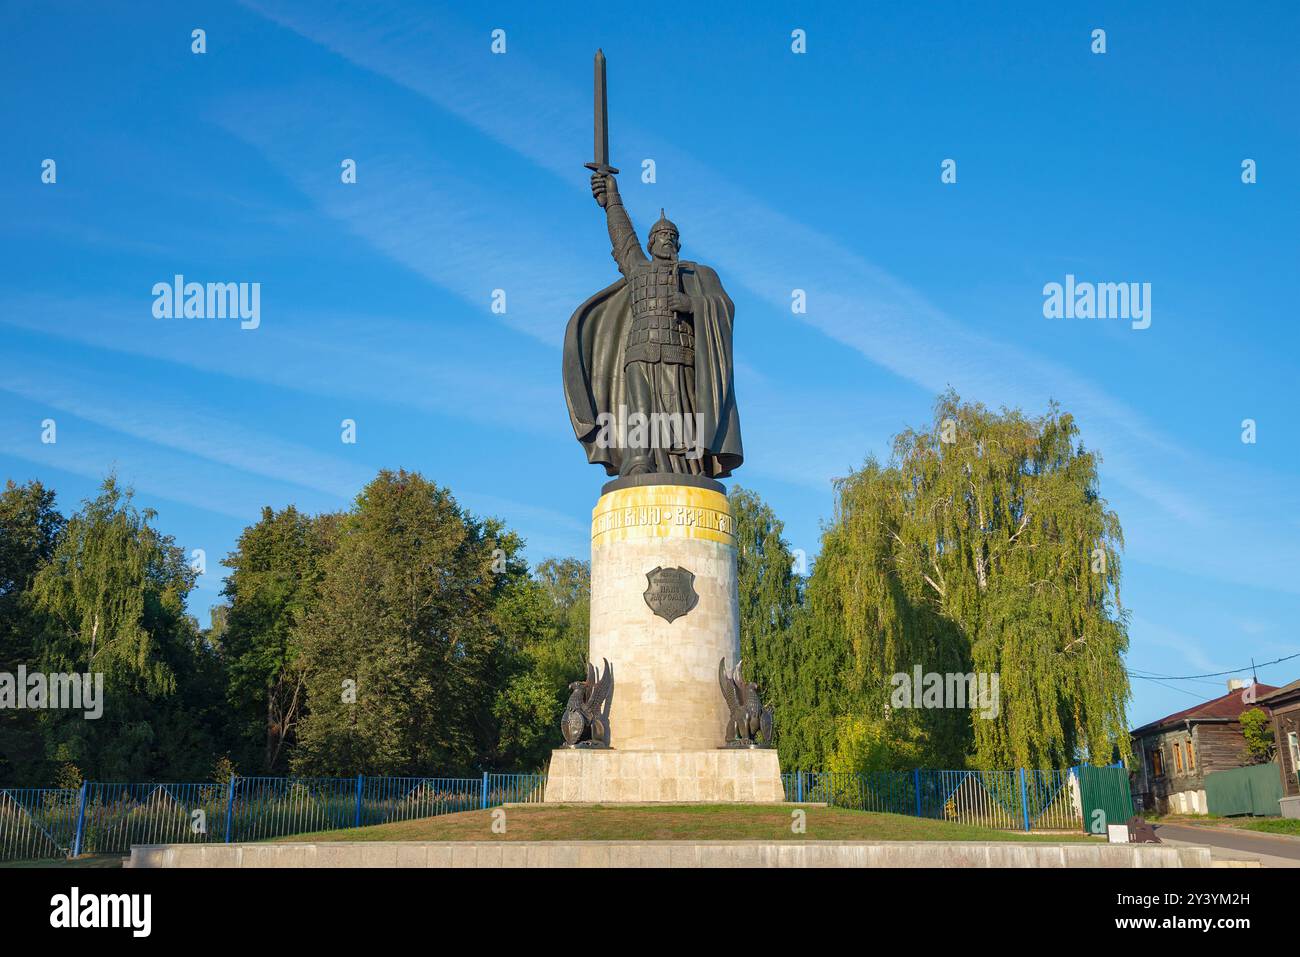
(164, 421)
(404, 363)
(853, 302)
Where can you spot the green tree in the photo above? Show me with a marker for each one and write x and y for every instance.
(801, 660)
(1257, 729)
(769, 592)
(275, 575)
(400, 653)
(112, 601)
(545, 621)
(983, 546)
(113, 586)
(29, 528)
(566, 582)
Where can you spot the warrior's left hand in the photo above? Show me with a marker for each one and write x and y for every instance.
(680, 302)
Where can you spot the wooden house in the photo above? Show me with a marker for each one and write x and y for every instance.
(1174, 754)
(1284, 706)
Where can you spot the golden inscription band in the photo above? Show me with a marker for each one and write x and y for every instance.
(662, 511)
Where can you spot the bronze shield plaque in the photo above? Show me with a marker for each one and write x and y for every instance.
(670, 592)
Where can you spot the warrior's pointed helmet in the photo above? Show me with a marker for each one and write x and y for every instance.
(665, 225)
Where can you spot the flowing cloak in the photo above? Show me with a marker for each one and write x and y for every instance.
(594, 345)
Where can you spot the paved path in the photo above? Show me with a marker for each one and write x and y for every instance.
(1271, 850)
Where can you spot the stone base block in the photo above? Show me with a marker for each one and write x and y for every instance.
(719, 776)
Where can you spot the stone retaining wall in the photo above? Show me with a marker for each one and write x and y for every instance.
(667, 854)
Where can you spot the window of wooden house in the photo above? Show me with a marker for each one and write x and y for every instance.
(1293, 743)
(1178, 758)
(1157, 764)
(1191, 756)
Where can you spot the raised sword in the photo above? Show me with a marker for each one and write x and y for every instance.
(601, 162)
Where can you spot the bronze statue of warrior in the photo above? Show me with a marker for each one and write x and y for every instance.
(652, 349)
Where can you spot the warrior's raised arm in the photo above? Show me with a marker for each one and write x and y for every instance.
(622, 237)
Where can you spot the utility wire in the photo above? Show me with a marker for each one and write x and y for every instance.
(1218, 674)
(1199, 681)
(1192, 694)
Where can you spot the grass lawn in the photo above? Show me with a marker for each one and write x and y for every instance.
(1269, 825)
(85, 860)
(675, 822)
(1216, 820)
(1273, 825)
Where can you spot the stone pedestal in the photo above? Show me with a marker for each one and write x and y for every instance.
(667, 717)
(751, 776)
(666, 695)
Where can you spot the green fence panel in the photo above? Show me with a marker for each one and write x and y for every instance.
(1105, 790)
(1252, 790)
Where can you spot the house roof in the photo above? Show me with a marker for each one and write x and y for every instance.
(1286, 691)
(1227, 706)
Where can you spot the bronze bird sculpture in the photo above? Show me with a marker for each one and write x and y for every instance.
(749, 724)
(585, 722)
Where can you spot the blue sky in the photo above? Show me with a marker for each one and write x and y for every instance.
(818, 171)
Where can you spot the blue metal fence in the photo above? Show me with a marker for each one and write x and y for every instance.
(43, 823)
(1006, 800)
(38, 823)
(113, 816)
